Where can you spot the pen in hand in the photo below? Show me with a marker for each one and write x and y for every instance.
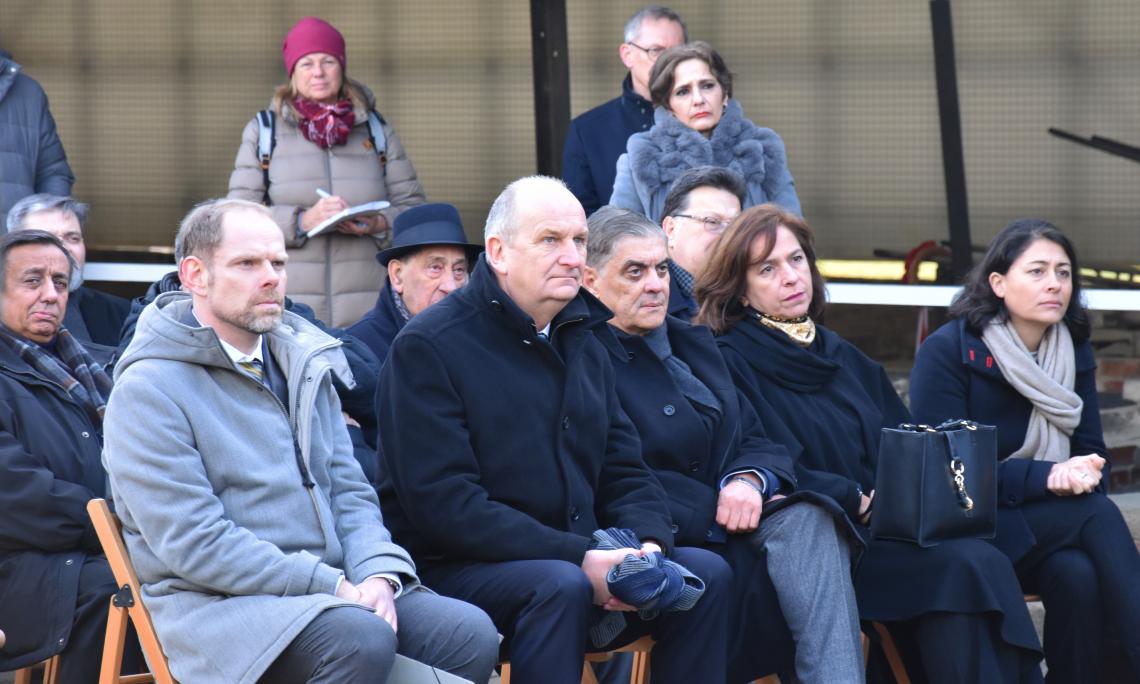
(323, 194)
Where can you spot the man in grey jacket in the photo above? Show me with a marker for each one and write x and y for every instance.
(33, 158)
(256, 537)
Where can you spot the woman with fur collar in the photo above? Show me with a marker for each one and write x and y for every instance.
(697, 123)
(323, 161)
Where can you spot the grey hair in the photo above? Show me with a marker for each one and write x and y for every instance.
(34, 204)
(654, 12)
(502, 219)
(609, 226)
(20, 238)
(200, 233)
(702, 177)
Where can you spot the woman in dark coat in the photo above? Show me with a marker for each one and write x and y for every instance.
(791, 565)
(956, 609)
(1018, 357)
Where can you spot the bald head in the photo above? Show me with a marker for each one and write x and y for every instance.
(526, 196)
(536, 245)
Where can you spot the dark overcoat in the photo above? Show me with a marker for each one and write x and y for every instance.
(595, 141)
(50, 460)
(955, 376)
(674, 440)
(380, 325)
(497, 446)
(103, 314)
(832, 402)
(690, 463)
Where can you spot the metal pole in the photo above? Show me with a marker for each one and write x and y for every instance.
(950, 122)
(549, 51)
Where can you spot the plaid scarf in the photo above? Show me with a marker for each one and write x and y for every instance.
(682, 279)
(74, 370)
(402, 308)
(325, 125)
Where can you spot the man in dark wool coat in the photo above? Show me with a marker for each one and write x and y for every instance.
(504, 448)
(55, 583)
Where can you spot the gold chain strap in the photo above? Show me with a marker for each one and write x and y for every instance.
(959, 470)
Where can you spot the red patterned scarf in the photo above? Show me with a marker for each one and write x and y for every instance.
(325, 125)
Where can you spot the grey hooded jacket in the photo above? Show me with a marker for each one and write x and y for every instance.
(235, 553)
(31, 157)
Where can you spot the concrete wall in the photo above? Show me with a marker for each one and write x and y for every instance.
(151, 98)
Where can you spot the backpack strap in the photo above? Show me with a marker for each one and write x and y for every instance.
(377, 137)
(266, 141)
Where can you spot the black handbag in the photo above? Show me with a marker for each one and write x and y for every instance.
(936, 483)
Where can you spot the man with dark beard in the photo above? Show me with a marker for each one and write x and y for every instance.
(254, 533)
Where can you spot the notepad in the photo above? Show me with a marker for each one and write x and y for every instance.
(366, 209)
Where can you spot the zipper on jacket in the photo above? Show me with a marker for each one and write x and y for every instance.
(329, 265)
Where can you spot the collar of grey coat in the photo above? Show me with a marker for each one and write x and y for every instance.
(583, 312)
(174, 335)
(661, 154)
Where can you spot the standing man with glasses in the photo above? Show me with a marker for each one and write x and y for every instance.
(699, 206)
(597, 138)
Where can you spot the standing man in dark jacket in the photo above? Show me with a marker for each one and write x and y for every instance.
(597, 138)
(54, 581)
(428, 260)
(92, 315)
(31, 155)
(504, 449)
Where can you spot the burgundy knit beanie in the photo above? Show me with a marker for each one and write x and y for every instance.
(311, 35)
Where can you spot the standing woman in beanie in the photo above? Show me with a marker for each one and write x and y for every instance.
(322, 143)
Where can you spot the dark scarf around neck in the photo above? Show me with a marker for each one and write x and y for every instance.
(75, 371)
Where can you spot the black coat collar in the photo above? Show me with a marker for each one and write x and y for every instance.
(583, 312)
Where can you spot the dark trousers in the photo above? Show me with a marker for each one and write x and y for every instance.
(961, 648)
(80, 659)
(1086, 568)
(544, 609)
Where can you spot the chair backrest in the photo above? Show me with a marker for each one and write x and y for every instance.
(109, 530)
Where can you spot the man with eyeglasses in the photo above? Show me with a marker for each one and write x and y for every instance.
(597, 138)
(699, 206)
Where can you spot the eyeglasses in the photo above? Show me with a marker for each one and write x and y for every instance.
(653, 52)
(712, 224)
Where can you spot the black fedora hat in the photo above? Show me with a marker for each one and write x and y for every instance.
(427, 224)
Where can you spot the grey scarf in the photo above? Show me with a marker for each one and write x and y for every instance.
(1047, 384)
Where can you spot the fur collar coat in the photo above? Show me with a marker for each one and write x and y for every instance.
(655, 158)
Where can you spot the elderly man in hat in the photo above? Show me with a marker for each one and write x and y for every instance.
(428, 260)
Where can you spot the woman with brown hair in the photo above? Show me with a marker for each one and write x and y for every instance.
(324, 159)
(955, 609)
(697, 123)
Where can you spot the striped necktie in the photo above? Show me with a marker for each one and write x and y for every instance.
(254, 368)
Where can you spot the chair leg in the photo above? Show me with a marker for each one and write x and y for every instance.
(588, 676)
(639, 673)
(23, 675)
(113, 643)
(892, 653)
(505, 673)
(51, 670)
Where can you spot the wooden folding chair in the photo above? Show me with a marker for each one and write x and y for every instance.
(638, 675)
(49, 666)
(126, 605)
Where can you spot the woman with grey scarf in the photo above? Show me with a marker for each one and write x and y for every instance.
(1018, 357)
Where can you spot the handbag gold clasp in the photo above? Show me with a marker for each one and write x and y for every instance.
(959, 470)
